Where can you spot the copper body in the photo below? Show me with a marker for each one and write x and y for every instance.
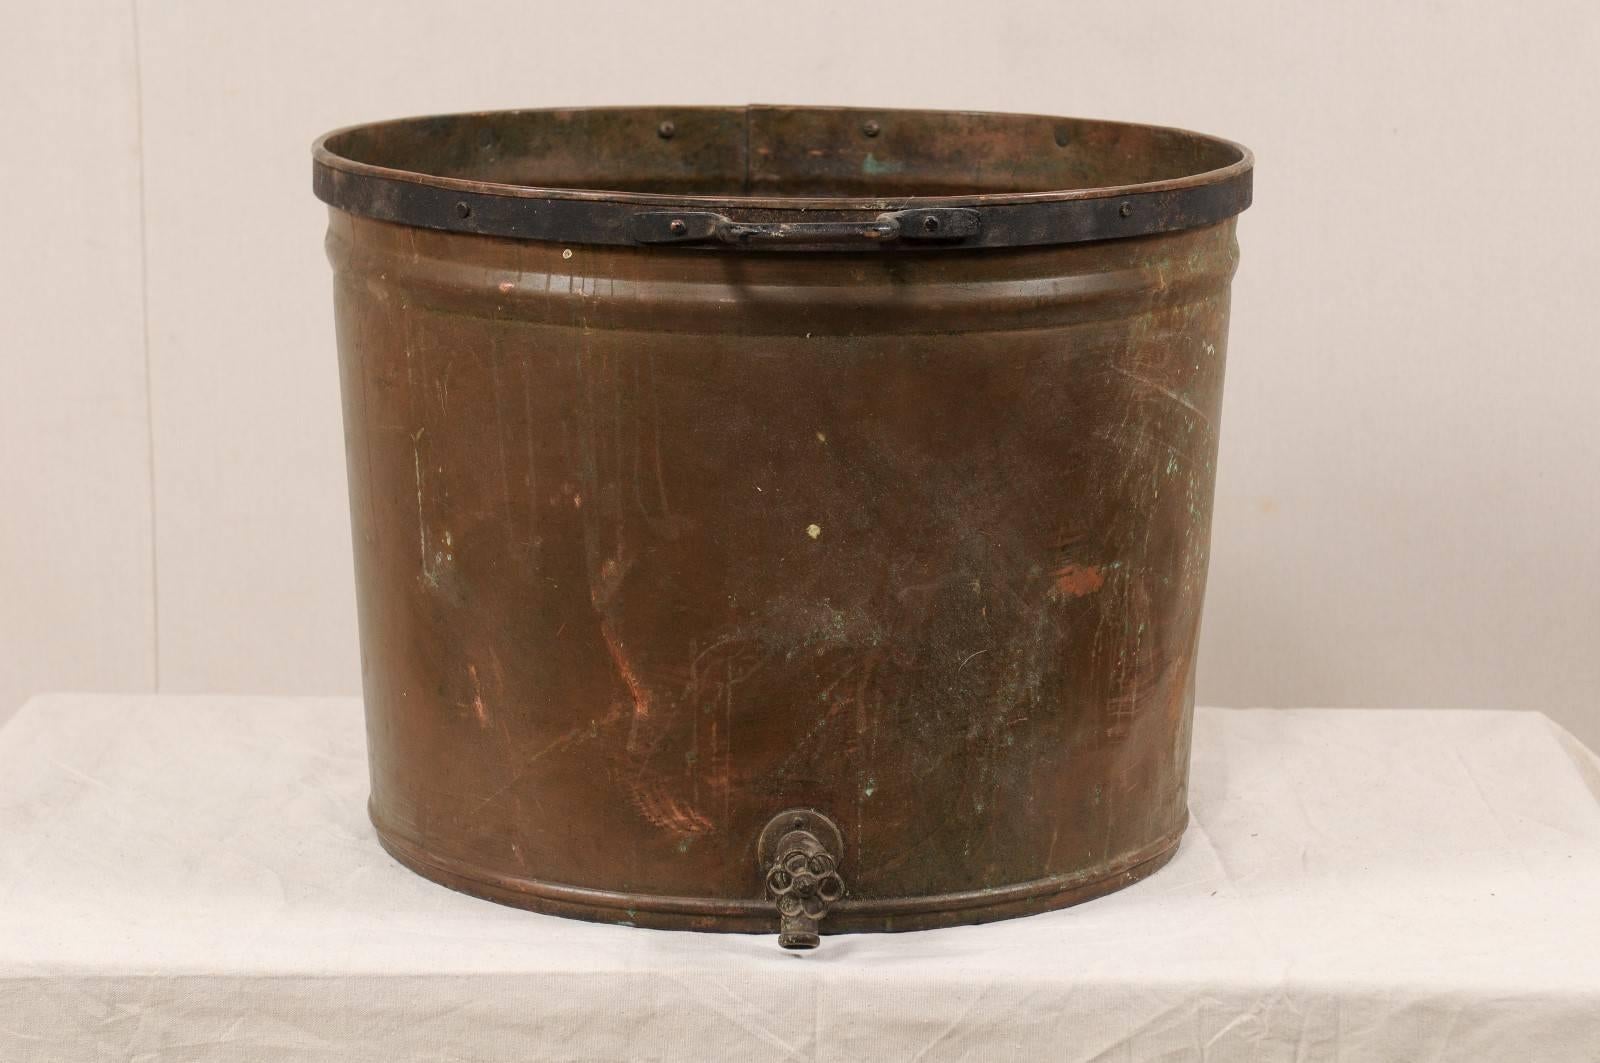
(653, 543)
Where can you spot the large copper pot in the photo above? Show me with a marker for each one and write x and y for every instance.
(780, 515)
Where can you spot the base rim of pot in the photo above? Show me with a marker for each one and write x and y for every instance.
(755, 915)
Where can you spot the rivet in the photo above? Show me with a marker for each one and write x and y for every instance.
(799, 822)
(463, 211)
(931, 224)
(676, 227)
(871, 128)
(666, 130)
(1125, 210)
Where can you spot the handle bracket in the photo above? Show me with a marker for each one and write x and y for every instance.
(944, 224)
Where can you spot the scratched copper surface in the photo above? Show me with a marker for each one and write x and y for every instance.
(652, 544)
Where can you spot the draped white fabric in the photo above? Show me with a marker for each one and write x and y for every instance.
(194, 879)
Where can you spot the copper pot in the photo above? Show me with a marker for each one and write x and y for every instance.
(780, 517)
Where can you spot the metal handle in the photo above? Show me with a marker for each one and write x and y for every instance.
(806, 232)
(696, 226)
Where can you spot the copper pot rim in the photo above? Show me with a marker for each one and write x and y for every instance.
(325, 152)
(589, 215)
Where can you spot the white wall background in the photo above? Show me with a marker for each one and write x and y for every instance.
(1409, 488)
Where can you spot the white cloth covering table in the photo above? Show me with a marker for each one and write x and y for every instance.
(194, 879)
